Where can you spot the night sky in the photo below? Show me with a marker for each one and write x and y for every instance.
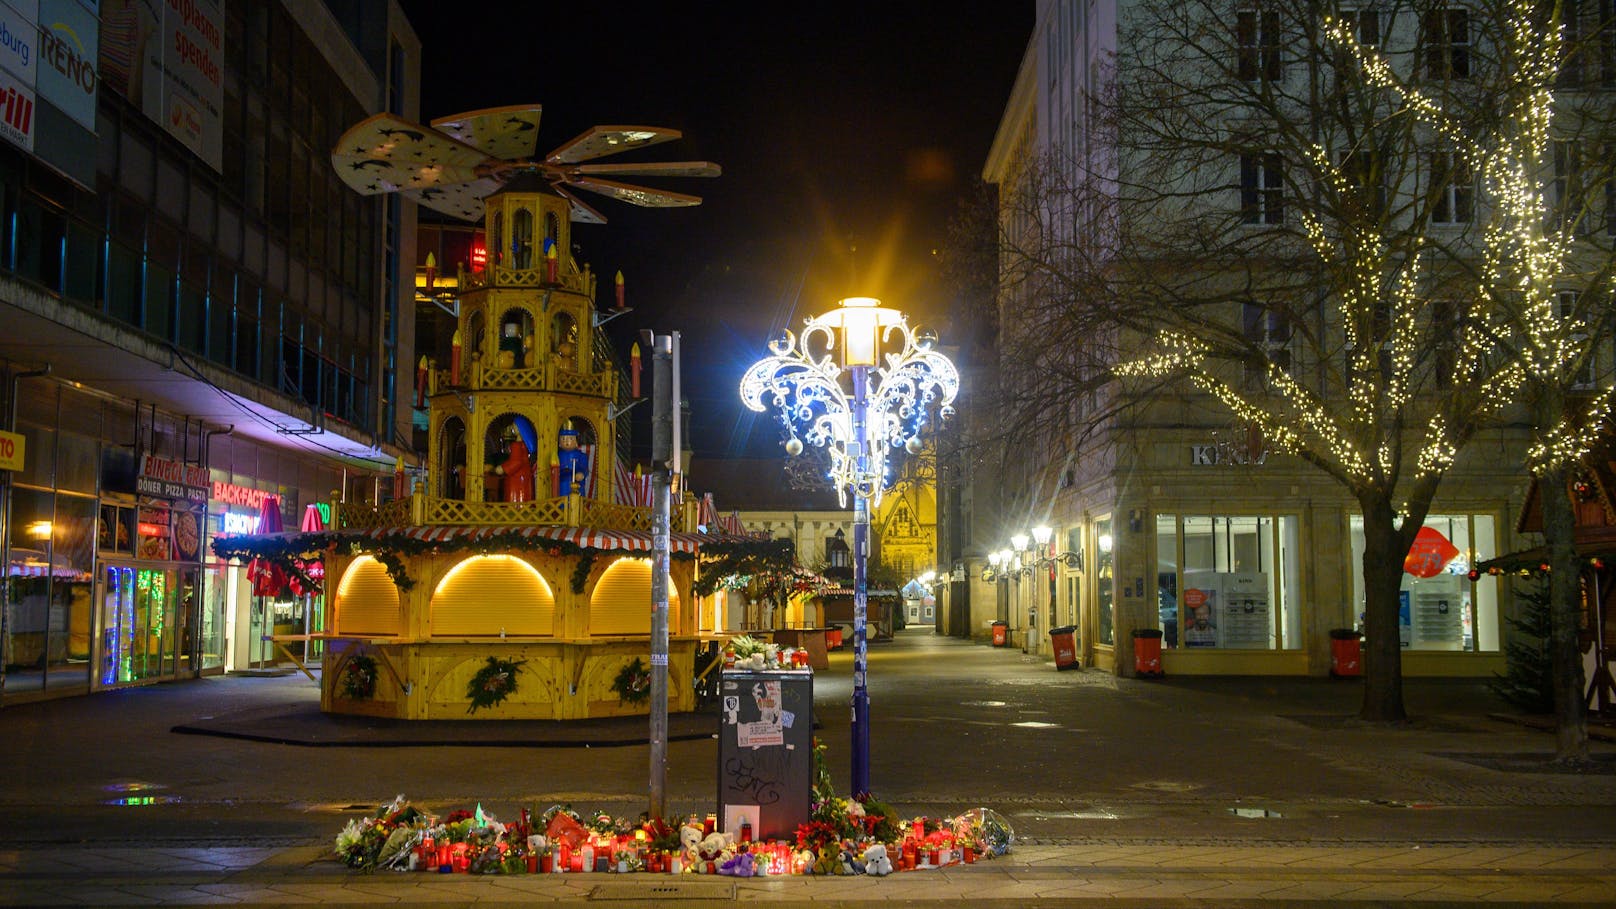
(847, 134)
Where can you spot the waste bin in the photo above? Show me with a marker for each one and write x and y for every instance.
(1346, 653)
(1063, 641)
(833, 638)
(1147, 652)
(1001, 633)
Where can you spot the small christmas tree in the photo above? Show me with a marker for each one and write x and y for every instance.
(1526, 682)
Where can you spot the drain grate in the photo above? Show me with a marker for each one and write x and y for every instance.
(649, 894)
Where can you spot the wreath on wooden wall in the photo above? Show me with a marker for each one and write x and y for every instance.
(493, 683)
(359, 678)
(633, 683)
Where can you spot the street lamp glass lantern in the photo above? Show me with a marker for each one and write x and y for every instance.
(993, 559)
(862, 320)
(1019, 541)
(1040, 534)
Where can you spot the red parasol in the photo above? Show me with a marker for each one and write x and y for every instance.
(313, 522)
(267, 578)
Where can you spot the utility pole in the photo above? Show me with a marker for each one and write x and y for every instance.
(664, 471)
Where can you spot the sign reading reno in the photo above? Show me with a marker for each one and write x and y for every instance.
(168, 58)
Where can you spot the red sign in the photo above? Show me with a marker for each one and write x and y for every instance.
(1194, 599)
(479, 255)
(1429, 554)
(231, 494)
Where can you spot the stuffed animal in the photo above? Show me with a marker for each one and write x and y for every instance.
(850, 860)
(711, 850)
(741, 864)
(876, 861)
(829, 861)
(690, 844)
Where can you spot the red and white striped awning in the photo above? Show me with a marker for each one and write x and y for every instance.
(582, 537)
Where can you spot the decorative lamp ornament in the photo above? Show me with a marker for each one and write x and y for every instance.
(619, 285)
(793, 446)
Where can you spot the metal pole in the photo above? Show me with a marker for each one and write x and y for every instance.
(662, 453)
(861, 551)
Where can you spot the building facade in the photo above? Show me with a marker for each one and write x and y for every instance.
(1169, 516)
(199, 319)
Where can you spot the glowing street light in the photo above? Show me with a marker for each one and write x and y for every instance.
(894, 378)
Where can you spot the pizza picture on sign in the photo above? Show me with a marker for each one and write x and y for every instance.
(187, 535)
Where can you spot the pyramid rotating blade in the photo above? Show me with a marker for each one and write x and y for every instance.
(509, 133)
(581, 213)
(385, 153)
(458, 200)
(643, 196)
(651, 169)
(600, 141)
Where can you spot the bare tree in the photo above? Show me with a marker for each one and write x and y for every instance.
(1282, 221)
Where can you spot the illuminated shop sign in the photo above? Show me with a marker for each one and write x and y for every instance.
(240, 523)
(231, 494)
(168, 479)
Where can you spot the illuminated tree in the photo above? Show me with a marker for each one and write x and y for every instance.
(1330, 224)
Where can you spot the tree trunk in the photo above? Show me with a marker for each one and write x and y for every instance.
(1565, 600)
(1384, 550)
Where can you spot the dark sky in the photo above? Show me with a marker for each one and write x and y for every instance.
(847, 134)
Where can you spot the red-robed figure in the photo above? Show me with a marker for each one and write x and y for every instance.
(516, 473)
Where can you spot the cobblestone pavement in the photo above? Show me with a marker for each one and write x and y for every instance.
(1173, 792)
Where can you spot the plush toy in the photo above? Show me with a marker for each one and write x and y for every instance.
(741, 864)
(828, 862)
(690, 844)
(850, 860)
(876, 861)
(711, 850)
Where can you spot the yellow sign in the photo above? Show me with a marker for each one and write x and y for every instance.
(12, 447)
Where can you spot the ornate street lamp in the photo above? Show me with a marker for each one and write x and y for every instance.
(884, 404)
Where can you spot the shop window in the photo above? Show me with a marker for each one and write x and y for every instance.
(1441, 608)
(490, 595)
(1104, 581)
(617, 604)
(1228, 581)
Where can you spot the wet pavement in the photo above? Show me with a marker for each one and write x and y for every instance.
(1170, 792)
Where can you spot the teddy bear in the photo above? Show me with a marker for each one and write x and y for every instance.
(829, 861)
(711, 850)
(876, 861)
(690, 844)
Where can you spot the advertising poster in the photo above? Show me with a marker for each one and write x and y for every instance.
(68, 50)
(1200, 618)
(168, 58)
(1246, 618)
(16, 111)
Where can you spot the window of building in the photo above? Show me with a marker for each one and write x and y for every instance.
(1445, 43)
(1262, 188)
(1268, 331)
(1566, 305)
(1228, 581)
(1364, 24)
(1452, 189)
(1447, 610)
(1257, 45)
(1567, 202)
(1365, 196)
(1104, 582)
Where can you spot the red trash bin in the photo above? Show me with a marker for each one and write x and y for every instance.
(1346, 653)
(1147, 652)
(833, 638)
(1001, 633)
(1063, 641)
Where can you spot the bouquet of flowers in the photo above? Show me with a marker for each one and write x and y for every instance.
(382, 840)
(984, 830)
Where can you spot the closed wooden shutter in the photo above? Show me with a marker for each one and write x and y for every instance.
(490, 594)
(367, 600)
(621, 603)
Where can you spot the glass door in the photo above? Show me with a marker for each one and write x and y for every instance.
(137, 639)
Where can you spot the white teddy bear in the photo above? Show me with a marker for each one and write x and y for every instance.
(876, 861)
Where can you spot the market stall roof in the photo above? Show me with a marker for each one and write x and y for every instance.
(848, 591)
(582, 537)
(1533, 559)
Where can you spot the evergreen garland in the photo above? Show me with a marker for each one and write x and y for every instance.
(580, 572)
(1527, 681)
